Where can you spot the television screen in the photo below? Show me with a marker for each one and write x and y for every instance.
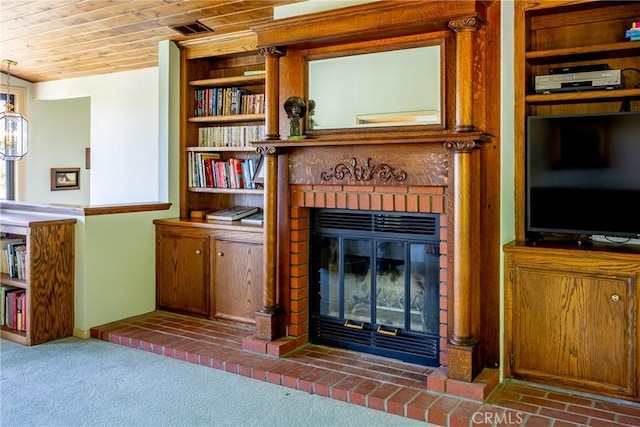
(583, 174)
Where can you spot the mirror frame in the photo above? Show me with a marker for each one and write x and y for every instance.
(393, 44)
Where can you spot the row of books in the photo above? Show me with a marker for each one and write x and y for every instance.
(14, 257)
(633, 33)
(226, 101)
(230, 136)
(208, 170)
(13, 310)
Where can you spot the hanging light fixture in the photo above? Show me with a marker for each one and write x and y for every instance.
(13, 126)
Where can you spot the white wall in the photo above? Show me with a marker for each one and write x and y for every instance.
(59, 132)
(123, 133)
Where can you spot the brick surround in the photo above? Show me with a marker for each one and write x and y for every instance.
(415, 199)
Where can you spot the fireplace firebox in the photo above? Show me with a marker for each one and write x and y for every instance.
(375, 283)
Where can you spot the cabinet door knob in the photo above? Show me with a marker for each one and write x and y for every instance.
(615, 297)
(198, 252)
(220, 254)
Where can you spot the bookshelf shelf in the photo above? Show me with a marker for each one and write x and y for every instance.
(226, 190)
(229, 81)
(584, 53)
(221, 149)
(590, 96)
(233, 118)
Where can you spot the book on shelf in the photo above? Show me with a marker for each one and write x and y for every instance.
(16, 254)
(256, 218)
(230, 136)
(15, 306)
(255, 72)
(227, 101)
(4, 260)
(4, 291)
(232, 213)
(208, 170)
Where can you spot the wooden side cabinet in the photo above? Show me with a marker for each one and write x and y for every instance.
(211, 270)
(238, 270)
(46, 282)
(571, 318)
(182, 270)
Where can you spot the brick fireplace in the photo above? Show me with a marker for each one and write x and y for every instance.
(404, 199)
(431, 169)
(422, 175)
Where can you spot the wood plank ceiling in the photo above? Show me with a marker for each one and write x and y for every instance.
(61, 39)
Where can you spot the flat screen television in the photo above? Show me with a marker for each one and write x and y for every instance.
(583, 175)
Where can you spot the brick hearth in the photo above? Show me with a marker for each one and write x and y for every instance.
(374, 382)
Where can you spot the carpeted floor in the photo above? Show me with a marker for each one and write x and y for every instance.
(75, 382)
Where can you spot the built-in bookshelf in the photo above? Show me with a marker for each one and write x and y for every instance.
(546, 276)
(207, 267)
(36, 278)
(223, 112)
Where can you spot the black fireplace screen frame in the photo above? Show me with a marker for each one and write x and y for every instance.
(398, 316)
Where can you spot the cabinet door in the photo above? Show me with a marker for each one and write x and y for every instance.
(238, 280)
(182, 282)
(574, 327)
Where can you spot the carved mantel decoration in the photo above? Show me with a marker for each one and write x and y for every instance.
(363, 173)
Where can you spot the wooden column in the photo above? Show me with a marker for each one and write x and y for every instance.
(270, 318)
(463, 357)
(272, 68)
(464, 28)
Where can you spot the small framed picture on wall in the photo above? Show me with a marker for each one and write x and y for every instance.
(65, 179)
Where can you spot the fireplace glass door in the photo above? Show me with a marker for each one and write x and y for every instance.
(376, 291)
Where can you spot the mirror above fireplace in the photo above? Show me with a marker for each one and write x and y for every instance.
(399, 87)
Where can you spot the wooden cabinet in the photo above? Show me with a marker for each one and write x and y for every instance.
(211, 270)
(240, 298)
(571, 318)
(183, 270)
(568, 34)
(571, 308)
(47, 280)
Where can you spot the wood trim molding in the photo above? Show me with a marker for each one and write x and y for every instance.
(77, 210)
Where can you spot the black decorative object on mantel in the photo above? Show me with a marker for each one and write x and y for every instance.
(296, 110)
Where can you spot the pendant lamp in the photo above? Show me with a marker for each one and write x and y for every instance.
(13, 126)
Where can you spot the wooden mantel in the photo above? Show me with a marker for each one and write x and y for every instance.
(368, 22)
(464, 130)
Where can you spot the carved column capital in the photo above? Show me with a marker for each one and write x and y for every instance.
(268, 150)
(272, 51)
(468, 23)
(465, 146)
